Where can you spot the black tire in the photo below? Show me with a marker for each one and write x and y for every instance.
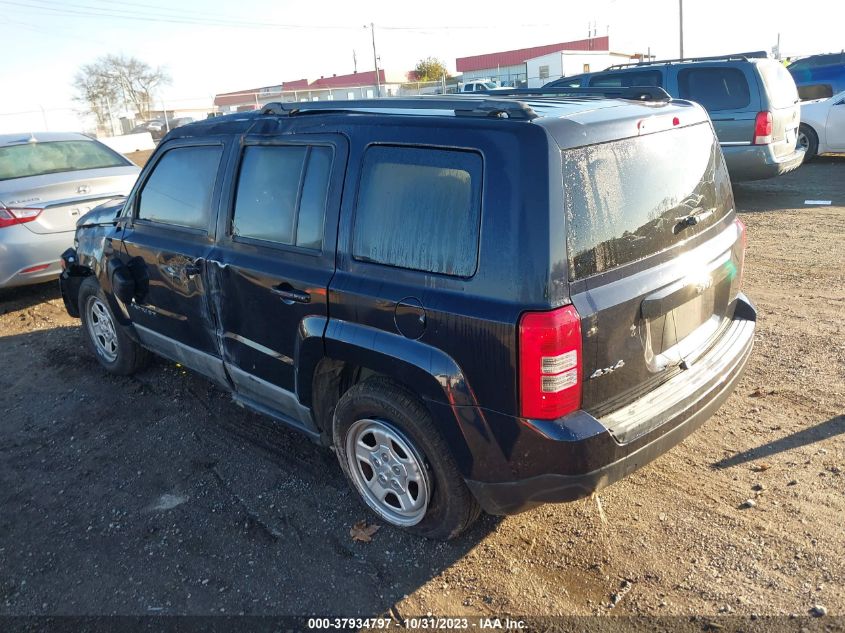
(811, 143)
(127, 357)
(451, 508)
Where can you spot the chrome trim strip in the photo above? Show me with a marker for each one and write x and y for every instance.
(259, 347)
(734, 143)
(206, 364)
(270, 395)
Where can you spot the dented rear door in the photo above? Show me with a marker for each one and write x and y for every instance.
(274, 259)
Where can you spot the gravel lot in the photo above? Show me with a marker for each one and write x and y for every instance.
(155, 494)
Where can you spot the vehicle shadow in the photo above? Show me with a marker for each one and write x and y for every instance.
(23, 297)
(155, 494)
(833, 427)
(820, 179)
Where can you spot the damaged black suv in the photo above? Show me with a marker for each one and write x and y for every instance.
(485, 302)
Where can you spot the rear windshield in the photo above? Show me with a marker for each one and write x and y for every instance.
(780, 86)
(37, 159)
(625, 200)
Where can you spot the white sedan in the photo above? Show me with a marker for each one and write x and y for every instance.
(822, 129)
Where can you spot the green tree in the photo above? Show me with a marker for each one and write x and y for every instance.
(430, 69)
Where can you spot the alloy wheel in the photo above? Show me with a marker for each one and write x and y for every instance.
(101, 329)
(388, 472)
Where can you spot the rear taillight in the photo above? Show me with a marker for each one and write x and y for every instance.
(550, 363)
(10, 216)
(763, 128)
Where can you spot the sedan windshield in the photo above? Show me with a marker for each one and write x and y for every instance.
(37, 159)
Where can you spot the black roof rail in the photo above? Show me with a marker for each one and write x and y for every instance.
(742, 57)
(633, 93)
(461, 106)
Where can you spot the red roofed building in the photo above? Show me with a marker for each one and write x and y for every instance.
(509, 67)
(355, 80)
(361, 85)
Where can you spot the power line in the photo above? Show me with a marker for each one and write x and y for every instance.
(181, 16)
(82, 10)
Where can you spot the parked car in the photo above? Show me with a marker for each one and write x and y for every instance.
(751, 99)
(819, 76)
(481, 85)
(156, 128)
(822, 128)
(477, 301)
(180, 121)
(573, 81)
(48, 180)
(159, 127)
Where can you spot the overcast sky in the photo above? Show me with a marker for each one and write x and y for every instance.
(209, 47)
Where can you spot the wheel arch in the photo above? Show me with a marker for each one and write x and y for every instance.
(329, 365)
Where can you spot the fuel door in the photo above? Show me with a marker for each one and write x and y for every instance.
(410, 318)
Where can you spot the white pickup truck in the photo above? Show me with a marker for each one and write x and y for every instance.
(480, 85)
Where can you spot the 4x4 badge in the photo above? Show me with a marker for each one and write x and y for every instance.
(601, 372)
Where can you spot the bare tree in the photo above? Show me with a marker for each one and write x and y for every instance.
(96, 91)
(121, 81)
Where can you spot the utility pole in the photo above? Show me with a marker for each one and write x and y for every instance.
(681, 23)
(355, 60)
(111, 118)
(164, 112)
(375, 58)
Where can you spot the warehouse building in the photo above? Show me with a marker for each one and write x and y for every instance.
(534, 66)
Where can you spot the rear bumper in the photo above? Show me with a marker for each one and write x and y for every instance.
(21, 249)
(758, 162)
(582, 455)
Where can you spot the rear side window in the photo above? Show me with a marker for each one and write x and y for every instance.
(281, 195)
(625, 199)
(780, 86)
(178, 191)
(628, 79)
(419, 209)
(716, 88)
(51, 157)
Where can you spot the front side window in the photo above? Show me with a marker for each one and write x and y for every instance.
(178, 192)
(281, 196)
(715, 88)
(419, 209)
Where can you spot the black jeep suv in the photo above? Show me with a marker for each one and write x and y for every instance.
(485, 302)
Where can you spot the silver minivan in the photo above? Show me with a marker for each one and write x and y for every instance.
(48, 180)
(751, 99)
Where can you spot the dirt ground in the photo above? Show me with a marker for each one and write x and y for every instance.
(139, 158)
(156, 495)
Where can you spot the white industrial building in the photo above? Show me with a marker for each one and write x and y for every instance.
(541, 70)
(532, 67)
